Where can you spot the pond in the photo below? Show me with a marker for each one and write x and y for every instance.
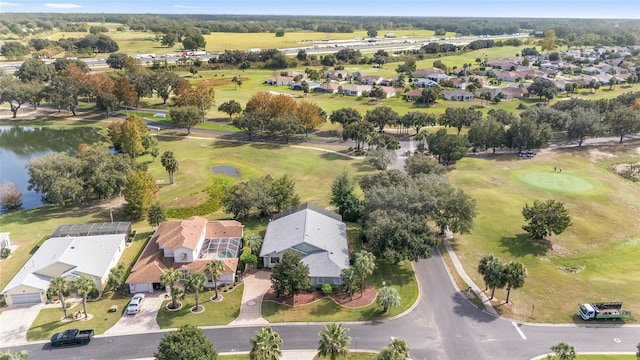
(226, 170)
(20, 144)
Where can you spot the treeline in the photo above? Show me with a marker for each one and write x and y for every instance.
(596, 32)
(87, 45)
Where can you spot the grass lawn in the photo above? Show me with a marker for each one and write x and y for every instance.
(215, 313)
(401, 277)
(313, 171)
(594, 260)
(48, 321)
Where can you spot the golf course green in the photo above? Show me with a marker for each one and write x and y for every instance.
(556, 181)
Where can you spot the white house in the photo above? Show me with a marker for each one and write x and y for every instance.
(69, 257)
(318, 234)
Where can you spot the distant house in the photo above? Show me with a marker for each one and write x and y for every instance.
(187, 245)
(336, 75)
(518, 92)
(389, 82)
(499, 64)
(438, 77)
(425, 83)
(495, 92)
(298, 85)
(458, 95)
(318, 234)
(389, 91)
(421, 73)
(327, 88)
(412, 95)
(590, 70)
(72, 251)
(355, 90)
(371, 79)
(509, 76)
(279, 80)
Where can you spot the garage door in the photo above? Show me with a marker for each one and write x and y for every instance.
(26, 298)
(141, 287)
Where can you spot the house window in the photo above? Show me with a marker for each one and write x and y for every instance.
(184, 273)
(183, 256)
(320, 280)
(336, 281)
(274, 260)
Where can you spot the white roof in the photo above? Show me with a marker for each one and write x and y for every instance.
(90, 255)
(321, 239)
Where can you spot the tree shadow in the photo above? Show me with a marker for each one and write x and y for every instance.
(373, 313)
(334, 156)
(464, 308)
(522, 245)
(264, 146)
(363, 166)
(226, 144)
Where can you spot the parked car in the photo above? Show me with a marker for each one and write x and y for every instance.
(72, 336)
(135, 304)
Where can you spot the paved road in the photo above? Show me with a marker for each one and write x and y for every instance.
(442, 326)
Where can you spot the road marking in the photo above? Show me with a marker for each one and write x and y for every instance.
(518, 330)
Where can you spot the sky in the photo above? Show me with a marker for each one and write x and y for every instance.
(616, 9)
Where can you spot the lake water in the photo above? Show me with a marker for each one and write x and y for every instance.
(20, 144)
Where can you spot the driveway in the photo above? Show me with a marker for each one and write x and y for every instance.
(15, 320)
(255, 285)
(142, 322)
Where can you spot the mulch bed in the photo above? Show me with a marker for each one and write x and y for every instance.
(341, 298)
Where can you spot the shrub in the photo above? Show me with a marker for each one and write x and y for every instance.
(94, 293)
(326, 289)
(4, 253)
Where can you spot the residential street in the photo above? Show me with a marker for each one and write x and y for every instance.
(443, 325)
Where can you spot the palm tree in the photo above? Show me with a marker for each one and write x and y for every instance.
(170, 163)
(492, 271)
(84, 285)
(564, 351)
(170, 277)
(60, 286)
(515, 275)
(398, 349)
(195, 282)
(484, 265)
(265, 345)
(388, 297)
(364, 263)
(213, 270)
(334, 342)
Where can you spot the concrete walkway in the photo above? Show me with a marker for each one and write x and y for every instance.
(255, 285)
(463, 274)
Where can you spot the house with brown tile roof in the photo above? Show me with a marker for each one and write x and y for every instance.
(187, 245)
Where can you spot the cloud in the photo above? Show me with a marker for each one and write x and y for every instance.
(185, 7)
(2, 3)
(62, 6)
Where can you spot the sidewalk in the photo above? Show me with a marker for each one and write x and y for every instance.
(463, 274)
(255, 285)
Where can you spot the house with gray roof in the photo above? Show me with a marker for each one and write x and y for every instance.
(318, 234)
(69, 257)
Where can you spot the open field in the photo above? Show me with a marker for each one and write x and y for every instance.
(312, 171)
(594, 260)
